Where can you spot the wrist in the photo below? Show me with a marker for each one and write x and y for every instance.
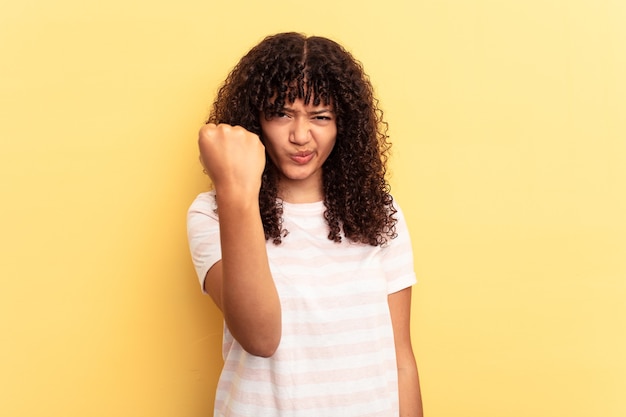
(236, 200)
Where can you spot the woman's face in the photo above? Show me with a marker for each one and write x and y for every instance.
(299, 139)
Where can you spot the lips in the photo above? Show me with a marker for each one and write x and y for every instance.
(301, 158)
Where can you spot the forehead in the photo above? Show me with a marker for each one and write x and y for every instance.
(297, 92)
(300, 106)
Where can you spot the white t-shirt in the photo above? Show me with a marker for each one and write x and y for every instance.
(336, 356)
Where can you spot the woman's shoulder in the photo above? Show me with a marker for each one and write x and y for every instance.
(401, 223)
(204, 203)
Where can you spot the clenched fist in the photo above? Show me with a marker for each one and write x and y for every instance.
(233, 157)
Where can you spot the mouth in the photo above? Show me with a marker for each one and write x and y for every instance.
(301, 158)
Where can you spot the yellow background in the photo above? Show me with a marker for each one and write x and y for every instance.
(509, 124)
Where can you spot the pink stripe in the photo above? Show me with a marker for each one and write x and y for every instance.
(349, 351)
(375, 325)
(340, 403)
(320, 378)
(330, 303)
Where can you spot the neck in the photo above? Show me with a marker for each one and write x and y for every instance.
(301, 193)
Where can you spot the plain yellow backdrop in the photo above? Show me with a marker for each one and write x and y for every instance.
(509, 124)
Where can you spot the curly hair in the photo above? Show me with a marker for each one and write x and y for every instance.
(289, 66)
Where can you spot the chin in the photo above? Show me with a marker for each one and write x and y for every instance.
(297, 175)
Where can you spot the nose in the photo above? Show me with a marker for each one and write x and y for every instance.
(300, 132)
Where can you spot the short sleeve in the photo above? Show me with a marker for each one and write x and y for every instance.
(398, 257)
(203, 234)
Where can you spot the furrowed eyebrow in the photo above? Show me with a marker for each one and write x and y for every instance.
(316, 112)
(311, 113)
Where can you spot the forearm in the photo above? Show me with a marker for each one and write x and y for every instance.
(408, 379)
(249, 300)
(410, 394)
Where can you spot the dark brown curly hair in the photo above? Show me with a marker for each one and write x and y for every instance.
(288, 66)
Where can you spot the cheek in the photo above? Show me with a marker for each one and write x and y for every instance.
(270, 150)
(332, 141)
(331, 146)
(268, 139)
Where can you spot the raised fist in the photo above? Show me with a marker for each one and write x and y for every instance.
(233, 157)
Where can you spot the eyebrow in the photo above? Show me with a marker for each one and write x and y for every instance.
(311, 113)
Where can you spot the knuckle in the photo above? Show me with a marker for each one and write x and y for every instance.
(206, 130)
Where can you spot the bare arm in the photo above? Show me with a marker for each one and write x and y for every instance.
(241, 283)
(408, 379)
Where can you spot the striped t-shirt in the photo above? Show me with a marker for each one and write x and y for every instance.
(336, 356)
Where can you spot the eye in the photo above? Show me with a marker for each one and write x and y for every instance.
(279, 115)
(322, 119)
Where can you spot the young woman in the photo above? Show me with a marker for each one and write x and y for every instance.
(300, 244)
